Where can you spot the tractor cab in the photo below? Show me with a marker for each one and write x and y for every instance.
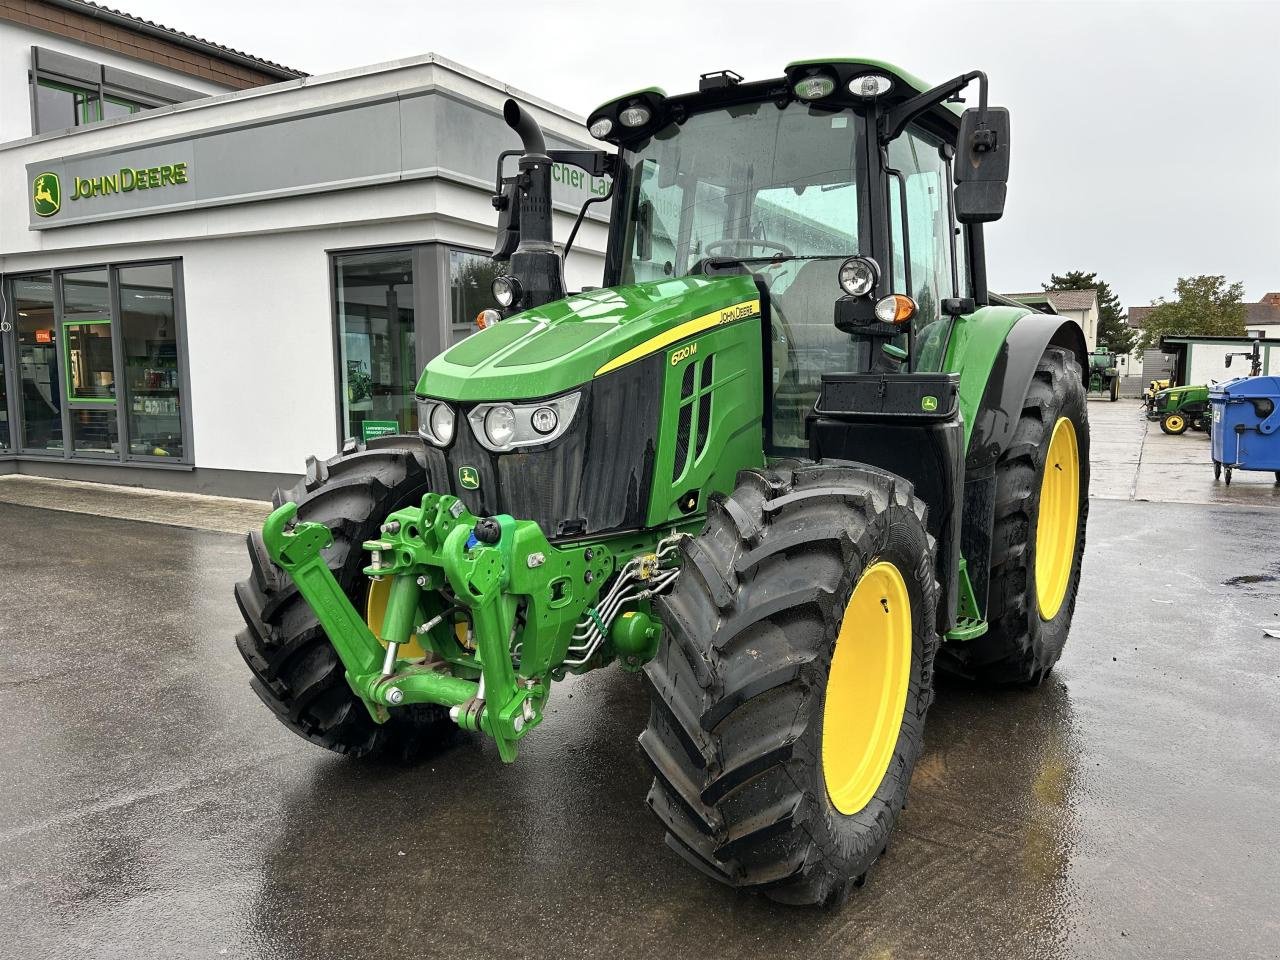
(832, 188)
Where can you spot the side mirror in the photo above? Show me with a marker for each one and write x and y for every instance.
(644, 230)
(982, 165)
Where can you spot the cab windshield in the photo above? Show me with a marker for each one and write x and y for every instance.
(748, 181)
(755, 181)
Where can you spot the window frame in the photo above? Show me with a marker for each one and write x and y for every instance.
(9, 354)
(100, 90)
(434, 330)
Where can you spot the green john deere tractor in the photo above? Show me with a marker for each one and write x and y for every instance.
(789, 456)
(1104, 373)
(1179, 409)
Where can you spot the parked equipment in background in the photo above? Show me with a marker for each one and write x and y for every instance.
(1246, 425)
(1152, 388)
(1179, 409)
(773, 464)
(1104, 373)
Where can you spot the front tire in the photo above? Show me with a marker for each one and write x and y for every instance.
(1042, 505)
(1174, 424)
(790, 690)
(296, 671)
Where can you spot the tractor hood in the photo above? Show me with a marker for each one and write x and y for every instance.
(554, 348)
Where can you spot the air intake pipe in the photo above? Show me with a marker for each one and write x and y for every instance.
(535, 263)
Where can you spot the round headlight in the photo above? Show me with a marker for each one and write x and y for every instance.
(441, 423)
(859, 276)
(544, 420)
(870, 86)
(506, 290)
(601, 128)
(814, 88)
(500, 425)
(636, 116)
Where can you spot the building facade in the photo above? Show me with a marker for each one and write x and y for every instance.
(199, 294)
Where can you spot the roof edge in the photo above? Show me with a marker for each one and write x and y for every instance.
(178, 38)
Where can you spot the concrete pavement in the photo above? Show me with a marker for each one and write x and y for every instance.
(150, 807)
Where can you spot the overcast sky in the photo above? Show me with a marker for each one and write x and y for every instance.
(1146, 136)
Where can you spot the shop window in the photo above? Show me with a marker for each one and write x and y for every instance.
(152, 376)
(375, 313)
(95, 432)
(38, 382)
(86, 327)
(470, 286)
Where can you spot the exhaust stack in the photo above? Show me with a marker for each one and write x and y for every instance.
(535, 263)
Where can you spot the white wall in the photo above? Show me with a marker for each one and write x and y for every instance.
(1208, 362)
(16, 41)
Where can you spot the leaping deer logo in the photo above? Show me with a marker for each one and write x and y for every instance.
(46, 195)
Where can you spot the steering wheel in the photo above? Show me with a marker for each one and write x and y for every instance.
(714, 245)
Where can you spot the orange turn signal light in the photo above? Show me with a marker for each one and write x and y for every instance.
(487, 318)
(897, 308)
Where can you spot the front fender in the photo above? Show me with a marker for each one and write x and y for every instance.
(996, 350)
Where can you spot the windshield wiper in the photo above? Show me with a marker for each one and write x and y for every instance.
(718, 262)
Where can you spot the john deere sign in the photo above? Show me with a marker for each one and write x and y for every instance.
(345, 146)
(46, 195)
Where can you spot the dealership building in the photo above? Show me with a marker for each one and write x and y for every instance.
(212, 266)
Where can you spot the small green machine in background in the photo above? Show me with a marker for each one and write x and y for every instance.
(1179, 409)
(787, 461)
(1104, 373)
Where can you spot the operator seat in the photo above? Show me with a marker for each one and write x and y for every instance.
(805, 344)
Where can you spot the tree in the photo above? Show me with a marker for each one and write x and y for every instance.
(1113, 328)
(1205, 307)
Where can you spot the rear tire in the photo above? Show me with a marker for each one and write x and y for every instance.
(296, 671)
(1020, 645)
(739, 688)
(1115, 389)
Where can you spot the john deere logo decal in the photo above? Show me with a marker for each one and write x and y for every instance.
(468, 478)
(928, 404)
(46, 195)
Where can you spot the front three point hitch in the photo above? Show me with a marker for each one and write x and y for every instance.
(499, 611)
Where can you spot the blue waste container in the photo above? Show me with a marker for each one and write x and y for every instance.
(1246, 425)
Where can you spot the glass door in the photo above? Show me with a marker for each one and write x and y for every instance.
(375, 297)
(90, 362)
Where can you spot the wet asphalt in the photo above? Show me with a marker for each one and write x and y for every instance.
(150, 807)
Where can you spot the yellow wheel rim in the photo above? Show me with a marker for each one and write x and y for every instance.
(867, 688)
(1174, 423)
(375, 608)
(1059, 514)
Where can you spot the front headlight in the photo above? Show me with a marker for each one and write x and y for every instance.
(500, 425)
(507, 426)
(436, 422)
(858, 276)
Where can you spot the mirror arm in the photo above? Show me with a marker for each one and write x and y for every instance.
(895, 121)
(598, 163)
